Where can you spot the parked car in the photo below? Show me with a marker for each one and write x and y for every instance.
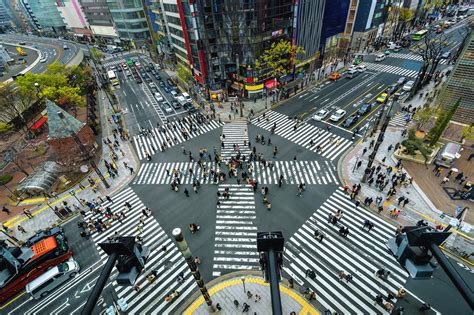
(337, 115)
(334, 76)
(382, 98)
(351, 120)
(174, 94)
(320, 115)
(408, 86)
(364, 109)
(392, 89)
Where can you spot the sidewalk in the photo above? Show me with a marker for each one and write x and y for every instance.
(44, 216)
(419, 206)
(225, 290)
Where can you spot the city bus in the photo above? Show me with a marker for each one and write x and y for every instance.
(20, 51)
(112, 77)
(419, 35)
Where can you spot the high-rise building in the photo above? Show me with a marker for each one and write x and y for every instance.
(44, 15)
(74, 17)
(5, 14)
(99, 18)
(308, 15)
(459, 85)
(369, 23)
(335, 17)
(223, 40)
(130, 20)
(171, 30)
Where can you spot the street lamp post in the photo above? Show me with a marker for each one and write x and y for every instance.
(84, 151)
(240, 90)
(188, 256)
(73, 193)
(243, 283)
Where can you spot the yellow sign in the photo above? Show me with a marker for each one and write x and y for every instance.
(254, 87)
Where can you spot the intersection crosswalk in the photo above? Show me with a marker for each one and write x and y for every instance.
(391, 69)
(235, 245)
(153, 142)
(398, 120)
(236, 138)
(332, 145)
(360, 254)
(294, 172)
(412, 57)
(150, 298)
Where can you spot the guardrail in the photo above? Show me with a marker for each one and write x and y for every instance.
(30, 66)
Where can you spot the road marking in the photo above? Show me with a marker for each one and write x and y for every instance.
(123, 91)
(325, 101)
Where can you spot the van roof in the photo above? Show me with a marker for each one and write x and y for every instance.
(451, 149)
(42, 279)
(185, 94)
(380, 55)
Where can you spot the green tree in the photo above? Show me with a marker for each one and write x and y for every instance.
(405, 15)
(468, 132)
(96, 54)
(276, 61)
(423, 116)
(184, 73)
(14, 103)
(413, 145)
(441, 123)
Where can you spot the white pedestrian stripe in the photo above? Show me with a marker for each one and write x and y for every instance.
(294, 172)
(236, 140)
(235, 246)
(115, 62)
(331, 144)
(399, 120)
(360, 254)
(391, 69)
(171, 134)
(408, 56)
(168, 264)
(152, 100)
(162, 173)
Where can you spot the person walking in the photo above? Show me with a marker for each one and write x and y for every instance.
(186, 192)
(109, 199)
(6, 210)
(21, 229)
(27, 213)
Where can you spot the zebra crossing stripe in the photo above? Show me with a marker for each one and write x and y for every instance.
(357, 254)
(303, 134)
(390, 69)
(168, 265)
(235, 133)
(235, 234)
(152, 143)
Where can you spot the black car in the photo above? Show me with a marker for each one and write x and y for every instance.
(364, 109)
(167, 89)
(351, 120)
(138, 80)
(170, 82)
(175, 104)
(157, 76)
(190, 108)
(392, 89)
(162, 84)
(147, 69)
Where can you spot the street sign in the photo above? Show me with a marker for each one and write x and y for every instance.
(466, 228)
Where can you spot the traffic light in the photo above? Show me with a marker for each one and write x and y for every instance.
(131, 258)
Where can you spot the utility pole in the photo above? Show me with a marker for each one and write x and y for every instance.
(240, 90)
(84, 151)
(188, 256)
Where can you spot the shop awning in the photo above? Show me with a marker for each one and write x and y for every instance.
(40, 122)
(254, 87)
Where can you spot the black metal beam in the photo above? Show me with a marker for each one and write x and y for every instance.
(273, 268)
(99, 286)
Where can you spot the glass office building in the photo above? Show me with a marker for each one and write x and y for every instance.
(130, 20)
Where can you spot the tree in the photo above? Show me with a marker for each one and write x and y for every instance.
(277, 61)
(431, 50)
(405, 15)
(96, 54)
(413, 144)
(468, 132)
(441, 123)
(184, 74)
(13, 105)
(423, 116)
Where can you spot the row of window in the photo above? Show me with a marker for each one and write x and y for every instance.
(170, 7)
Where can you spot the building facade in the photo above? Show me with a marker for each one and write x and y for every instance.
(99, 18)
(333, 28)
(44, 14)
(369, 23)
(74, 18)
(6, 17)
(307, 32)
(459, 85)
(130, 21)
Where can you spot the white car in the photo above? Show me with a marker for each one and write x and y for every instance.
(167, 107)
(352, 68)
(187, 97)
(408, 86)
(320, 115)
(338, 114)
(128, 73)
(43, 60)
(361, 68)
(158, 97)
(401, 80)
(152, 84)
(174, 93)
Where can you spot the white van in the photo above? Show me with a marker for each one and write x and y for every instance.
(51, 279)
(448, 155)
(379, 57)
(181, 100)
(352, 73)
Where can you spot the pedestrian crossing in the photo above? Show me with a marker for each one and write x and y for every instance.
(295, 172)
(399, 120)
(332, 145)
(173, 134)
(115, 62)
(391, 69)
(360, 254)
(412, 57)
(234, 139)
(235, 246)
(150, 297)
